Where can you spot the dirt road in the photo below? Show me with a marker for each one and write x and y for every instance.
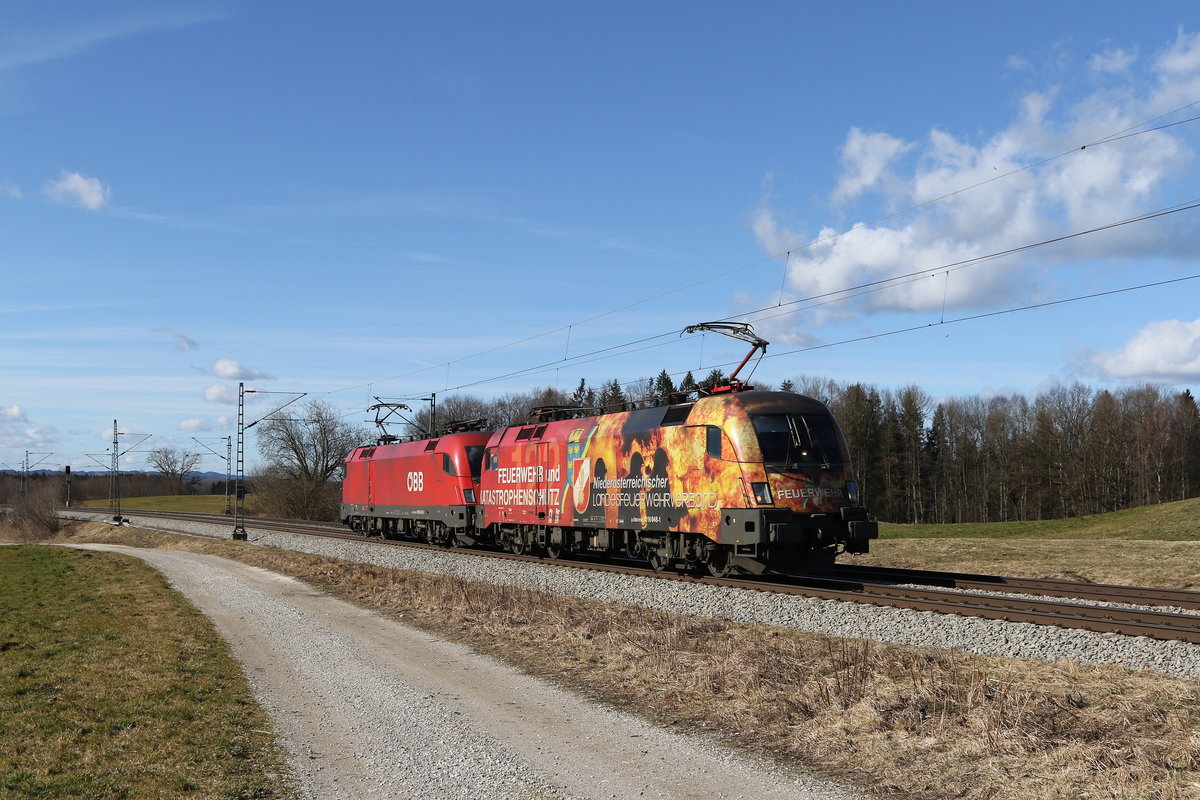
(369, 707)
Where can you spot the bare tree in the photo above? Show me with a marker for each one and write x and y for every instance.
(305, 453)
(175, 464)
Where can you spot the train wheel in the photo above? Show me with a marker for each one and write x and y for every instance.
(658, 562)
(635, 549)
(718, 563)
(553, 550)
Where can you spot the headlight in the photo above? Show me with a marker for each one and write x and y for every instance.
(762, 493)
(469, 495)
(852, 491)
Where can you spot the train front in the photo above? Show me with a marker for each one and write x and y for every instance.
(804, 506)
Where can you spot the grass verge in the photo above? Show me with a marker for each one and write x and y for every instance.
(195, 503)
(113, 686)
(1172, 522)
(1173, 565)
(902, 721)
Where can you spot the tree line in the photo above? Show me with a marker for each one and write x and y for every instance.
(1069, 451)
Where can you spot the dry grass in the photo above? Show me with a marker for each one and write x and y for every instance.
(1177, 521)
(33, 516)
(1142, 563)
(902, 721)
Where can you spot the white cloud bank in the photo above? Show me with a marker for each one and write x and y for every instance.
(198, 425)
(221, 393)
(74, 189)
(17, 434)
(1166, 351)
(1103, 183)
(231, 370)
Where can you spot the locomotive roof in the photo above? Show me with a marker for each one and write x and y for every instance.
(759, 401)
(429, 443)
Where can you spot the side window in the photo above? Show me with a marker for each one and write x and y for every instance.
(447, 464)
(493, 459)
(713, 442)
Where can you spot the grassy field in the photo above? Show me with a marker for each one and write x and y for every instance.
(196, 503)
(1171, 522)
(1148, 546)
(113, 686)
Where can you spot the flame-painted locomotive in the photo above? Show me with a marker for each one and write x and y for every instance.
(736, 480)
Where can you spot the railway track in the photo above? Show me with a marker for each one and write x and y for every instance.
(1103, 608)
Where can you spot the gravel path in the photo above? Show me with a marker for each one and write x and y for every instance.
(368, 707)
(849, 620)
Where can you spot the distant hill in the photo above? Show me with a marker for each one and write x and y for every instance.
(219, 476)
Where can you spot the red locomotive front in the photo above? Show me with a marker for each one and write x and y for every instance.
(426, 488)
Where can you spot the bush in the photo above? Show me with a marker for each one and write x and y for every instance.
(35, 515)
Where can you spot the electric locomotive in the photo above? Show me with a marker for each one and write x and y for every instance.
(734, 480)
(738, 480)
(424, 489)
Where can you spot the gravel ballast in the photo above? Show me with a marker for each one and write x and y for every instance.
(848, 620)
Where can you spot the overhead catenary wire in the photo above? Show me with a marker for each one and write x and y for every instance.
(907, 329)
(1115, 136)
(840, 295)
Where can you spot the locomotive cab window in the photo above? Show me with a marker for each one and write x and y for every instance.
(492, 460)
(475, 459)
(447, 464)
(798, 440)
(676, 415)
(712, 441)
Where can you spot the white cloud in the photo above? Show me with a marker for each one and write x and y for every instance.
(1016, 63)
(1178, 68)
(987, 202)
(74, 189)
(1181, 57)
(1165, 351)
(231, 370)
(197, 425)
(1117, 59)
(16, 433)
(12, 190)
(23, 48)
(865, 160)
(221, 393)
(182, 343)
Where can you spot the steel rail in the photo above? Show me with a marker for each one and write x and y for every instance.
(1097, 618)
(1100, 592)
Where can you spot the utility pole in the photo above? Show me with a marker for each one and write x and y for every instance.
(26, 466)
(228, 463)
(114, 488)
(114, 494)
(239, 519)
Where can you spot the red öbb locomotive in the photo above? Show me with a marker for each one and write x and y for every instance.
(736, 480)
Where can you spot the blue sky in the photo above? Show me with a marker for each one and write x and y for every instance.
(373, 198)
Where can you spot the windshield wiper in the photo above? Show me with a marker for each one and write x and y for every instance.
(813, 439)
